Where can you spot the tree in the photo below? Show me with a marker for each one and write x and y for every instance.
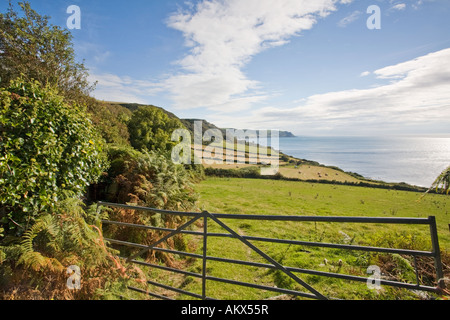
(110, 120)
(151, 128)
(49, 151)
(31, 47)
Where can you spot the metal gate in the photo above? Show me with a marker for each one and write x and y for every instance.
(291, 272)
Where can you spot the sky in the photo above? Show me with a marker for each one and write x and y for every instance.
(310, 67)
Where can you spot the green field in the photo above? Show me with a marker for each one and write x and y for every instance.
(269, 197)
(247, 196)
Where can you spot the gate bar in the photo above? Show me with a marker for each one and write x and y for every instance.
(295, 242)
(155, 295)
(164, 238)
(265, 256)
(263, 265)
(205, 243)
(191, 294)
(436, 253)
(263, 287)
(389, 220)
(327, 274)
(146, 264)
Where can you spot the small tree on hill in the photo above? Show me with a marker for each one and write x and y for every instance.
(151, 128)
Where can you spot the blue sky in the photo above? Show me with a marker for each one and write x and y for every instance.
(311, 67)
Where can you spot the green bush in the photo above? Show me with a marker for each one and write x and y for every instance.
(49, 151)
(110, 121)
(151, 129)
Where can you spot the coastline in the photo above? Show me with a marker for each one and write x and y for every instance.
(412, 160)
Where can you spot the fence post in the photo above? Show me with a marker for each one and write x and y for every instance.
(436, 253)
(205, 242)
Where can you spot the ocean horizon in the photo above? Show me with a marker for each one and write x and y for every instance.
(413, 160)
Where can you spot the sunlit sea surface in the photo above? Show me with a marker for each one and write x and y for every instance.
(414, 160)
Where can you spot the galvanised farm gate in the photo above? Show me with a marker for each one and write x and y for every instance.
(291, 272)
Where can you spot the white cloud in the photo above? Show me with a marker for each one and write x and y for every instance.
(418, 95)
(417, 4)
(365, 74)
(349, 19)
(122, 89)
(223, 37)
(400, 6)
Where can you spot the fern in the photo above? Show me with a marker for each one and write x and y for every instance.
(44, 227)
(54, 242)
(57, 238)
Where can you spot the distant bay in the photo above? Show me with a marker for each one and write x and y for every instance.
(413, 160)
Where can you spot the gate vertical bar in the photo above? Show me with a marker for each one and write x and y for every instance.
(436, 252)
(205, 243)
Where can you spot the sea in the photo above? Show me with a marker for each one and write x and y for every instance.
(412, 160)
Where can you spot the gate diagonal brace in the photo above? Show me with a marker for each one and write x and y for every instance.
(171, 234)
(265, 256)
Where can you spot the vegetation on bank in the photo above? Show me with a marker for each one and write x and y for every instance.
(255, 173)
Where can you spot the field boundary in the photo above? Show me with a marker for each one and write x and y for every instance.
(249, 174)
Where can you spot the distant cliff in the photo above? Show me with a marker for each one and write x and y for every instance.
(286, 134)
(189, 123)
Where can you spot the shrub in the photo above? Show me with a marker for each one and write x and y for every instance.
(48, 152)
(110, 120)
(151, 128)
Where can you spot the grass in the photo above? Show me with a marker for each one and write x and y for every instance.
(272, 197)
(247, 196)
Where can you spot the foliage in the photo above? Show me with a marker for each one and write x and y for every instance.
(250, 172)
(150, 179)
(110, 120)
(442, 182)
(29, 45)
(48, 150)
(150, 128)
(64, 237)
(70, 235)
